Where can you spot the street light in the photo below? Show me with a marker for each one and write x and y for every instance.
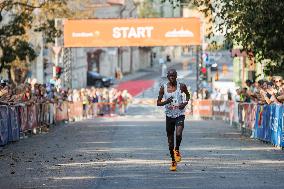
(56, 49)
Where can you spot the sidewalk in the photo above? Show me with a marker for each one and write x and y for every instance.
(146, 82)
(140, 74)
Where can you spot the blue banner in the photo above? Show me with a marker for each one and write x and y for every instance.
(13, 125)
(281, 123)
(269, 124)
(260, 123)
(275, 127)
(267, 110)
(3, 125)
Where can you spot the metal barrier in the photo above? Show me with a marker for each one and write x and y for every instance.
(75, 111)
(202, 108)
(13, 124)
(24, 118)
(4, 125)
(30, 118)
(269, 124)
(263, 122)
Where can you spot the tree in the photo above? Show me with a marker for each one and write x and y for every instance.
(257, 26)
(16, 29)
(147, 10)
(19, 21)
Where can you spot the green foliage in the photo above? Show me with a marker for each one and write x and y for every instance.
(20, 23)
(12, 39)
(8, 54)
(24, 50)
(255, 25)
(147, 10)
(177, 3)
(49, 30)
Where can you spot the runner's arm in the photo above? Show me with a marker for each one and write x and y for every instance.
(280, 98)
(184, 90)
(160, 98)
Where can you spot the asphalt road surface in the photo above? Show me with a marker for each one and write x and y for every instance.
(131, 152)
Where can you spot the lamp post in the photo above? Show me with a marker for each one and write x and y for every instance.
(131, 48)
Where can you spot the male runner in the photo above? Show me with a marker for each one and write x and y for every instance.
(174, 109)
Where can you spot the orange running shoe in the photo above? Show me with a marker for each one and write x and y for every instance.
(177, 155)
(173, 166)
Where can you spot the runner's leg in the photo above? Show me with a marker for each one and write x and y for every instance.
(170, 127)
(180, 126)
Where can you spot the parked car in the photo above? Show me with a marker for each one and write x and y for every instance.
(212, 64)
(97, 80)
(214, 67)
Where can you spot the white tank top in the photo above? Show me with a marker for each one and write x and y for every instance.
(172, 110)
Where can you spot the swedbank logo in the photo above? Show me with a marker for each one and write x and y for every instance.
(86, 34)
(179, 33)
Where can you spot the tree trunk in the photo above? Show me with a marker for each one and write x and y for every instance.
(10, 76)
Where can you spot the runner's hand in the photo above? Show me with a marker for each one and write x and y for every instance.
(182, 106)
(169, 100)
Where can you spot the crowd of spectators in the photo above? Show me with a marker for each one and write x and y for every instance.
(262, 91)
(52, 92)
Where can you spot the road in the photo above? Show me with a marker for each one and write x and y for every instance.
(131, 152)
(127, 152)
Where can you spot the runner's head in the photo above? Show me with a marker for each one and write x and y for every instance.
(172, 75)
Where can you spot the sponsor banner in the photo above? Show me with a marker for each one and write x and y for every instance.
(132, 32)
(261, 130)
(13, 125)
(266, 123)
(258, 120)
(24, 118)
(115, 2)
(221, 108)
(232, 114)
(3, 125)
(275, 124)
(202, 108)
(249, 115)
(62, 112)
(281, 125)
(32, 117)
(269, 124)
(75, 110)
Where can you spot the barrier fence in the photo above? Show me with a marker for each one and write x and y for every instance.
(30, 118)
(263, 122)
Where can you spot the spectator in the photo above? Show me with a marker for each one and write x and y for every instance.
(250, 90)
(278, 85)
(85, 101)
(207, 94)
(245, 95)
(238, 95)
(269, 93)
(229, 95)
(126, 100)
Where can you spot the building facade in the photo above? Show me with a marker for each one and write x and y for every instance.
(78, 61)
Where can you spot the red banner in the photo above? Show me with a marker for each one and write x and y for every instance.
(75, 110)
(221, 108)
(62, 112)
(24, 118)
(202, 108)
(249, 115)
(32, 119)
